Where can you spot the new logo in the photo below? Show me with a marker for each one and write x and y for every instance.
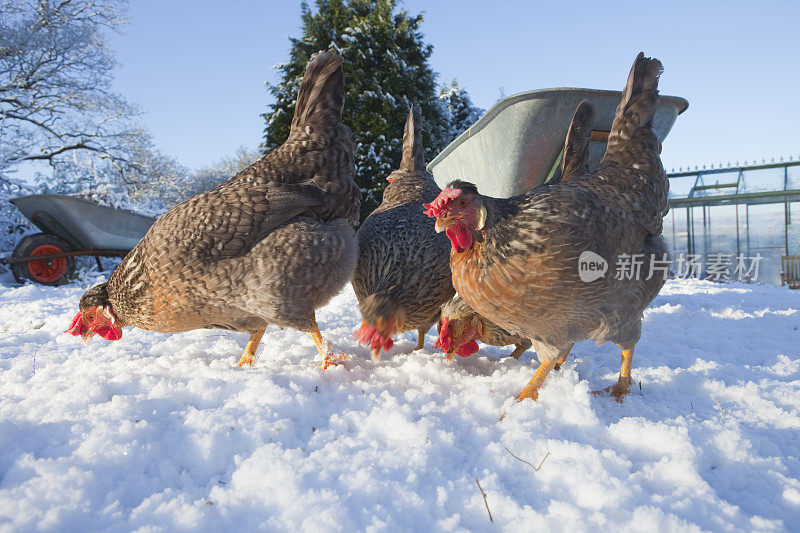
(591, 266)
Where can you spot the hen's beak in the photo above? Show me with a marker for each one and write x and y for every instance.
(448, 357)
(442, 224)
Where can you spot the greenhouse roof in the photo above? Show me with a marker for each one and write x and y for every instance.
(766, 183)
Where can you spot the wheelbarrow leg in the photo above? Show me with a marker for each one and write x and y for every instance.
(99, 264)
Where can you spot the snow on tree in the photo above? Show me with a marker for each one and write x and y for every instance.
(210, 176)
(55, 83)
(462, 113)
(386, 71)
(57, 107)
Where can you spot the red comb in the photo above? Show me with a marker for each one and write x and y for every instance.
(76, 328)
(434, 208)
(445, 340)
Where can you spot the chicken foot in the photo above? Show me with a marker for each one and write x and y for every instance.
(324, 351)
(249, 354)
(623, 385)
(531, 390)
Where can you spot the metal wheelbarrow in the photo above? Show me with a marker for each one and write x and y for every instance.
(517, 144)
(70, 227)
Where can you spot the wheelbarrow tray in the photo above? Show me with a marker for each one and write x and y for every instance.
(515, 145)
(83, 224)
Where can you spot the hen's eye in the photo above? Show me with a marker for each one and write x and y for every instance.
(463, 203)
(90, 317)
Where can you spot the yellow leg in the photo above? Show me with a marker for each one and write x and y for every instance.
(420, 338)
(563, 358)
(250, 350)
(322, 349)
(519, 350)
(531, 390)
(623, 385)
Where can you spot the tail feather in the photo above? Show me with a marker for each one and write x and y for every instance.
(321, 97)
(413, 151)
(633, 120)
(575, 159)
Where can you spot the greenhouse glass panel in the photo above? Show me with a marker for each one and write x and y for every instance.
(722, 229)
(793, 177)
(793, 228)
(675, 233)
(716, 184)
(681, 186)
(761, 180)
(765, 238)
(699, 227)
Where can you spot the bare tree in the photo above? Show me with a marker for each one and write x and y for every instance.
(210, 176)
(55, 84)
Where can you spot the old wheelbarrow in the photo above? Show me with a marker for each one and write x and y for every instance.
(70, 227)
(517, 144)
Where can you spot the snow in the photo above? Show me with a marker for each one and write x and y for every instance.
(164, 432)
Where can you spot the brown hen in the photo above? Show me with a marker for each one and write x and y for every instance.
(460, 327)
(403, 274)
(269, 246)
(516, 260)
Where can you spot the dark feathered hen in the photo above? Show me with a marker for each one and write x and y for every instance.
(403, 274)
(516, 261)
(269, 246)
(460, 327)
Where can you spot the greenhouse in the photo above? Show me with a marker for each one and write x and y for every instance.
(736, 223)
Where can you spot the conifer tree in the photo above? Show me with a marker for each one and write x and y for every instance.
(462, 112)
(386, 71)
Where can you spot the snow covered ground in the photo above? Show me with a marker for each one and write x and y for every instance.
(163, 432)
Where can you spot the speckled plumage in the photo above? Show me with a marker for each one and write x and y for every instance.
(267, 247)
(522, 270)
(403, 269)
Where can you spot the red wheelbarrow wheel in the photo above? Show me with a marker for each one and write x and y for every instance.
(47, 271)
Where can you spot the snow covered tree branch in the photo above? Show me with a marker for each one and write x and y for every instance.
(55, 84)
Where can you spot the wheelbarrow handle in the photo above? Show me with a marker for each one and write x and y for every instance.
(74, 253)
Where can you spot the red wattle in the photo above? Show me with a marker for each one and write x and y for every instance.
(109, 333)
(468, 349)
(460, 236)
(76, 327)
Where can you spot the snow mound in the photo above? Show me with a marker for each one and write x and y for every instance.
(164, 432)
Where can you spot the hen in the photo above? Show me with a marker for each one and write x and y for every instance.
(403, 274)
(269, 246)
(460, 327)
(516, 260)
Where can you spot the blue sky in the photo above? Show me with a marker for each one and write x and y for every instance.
(197, 69)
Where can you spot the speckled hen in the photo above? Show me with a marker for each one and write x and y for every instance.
(403, 274)
(269, 246)
(460, 326)
(516, 260)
